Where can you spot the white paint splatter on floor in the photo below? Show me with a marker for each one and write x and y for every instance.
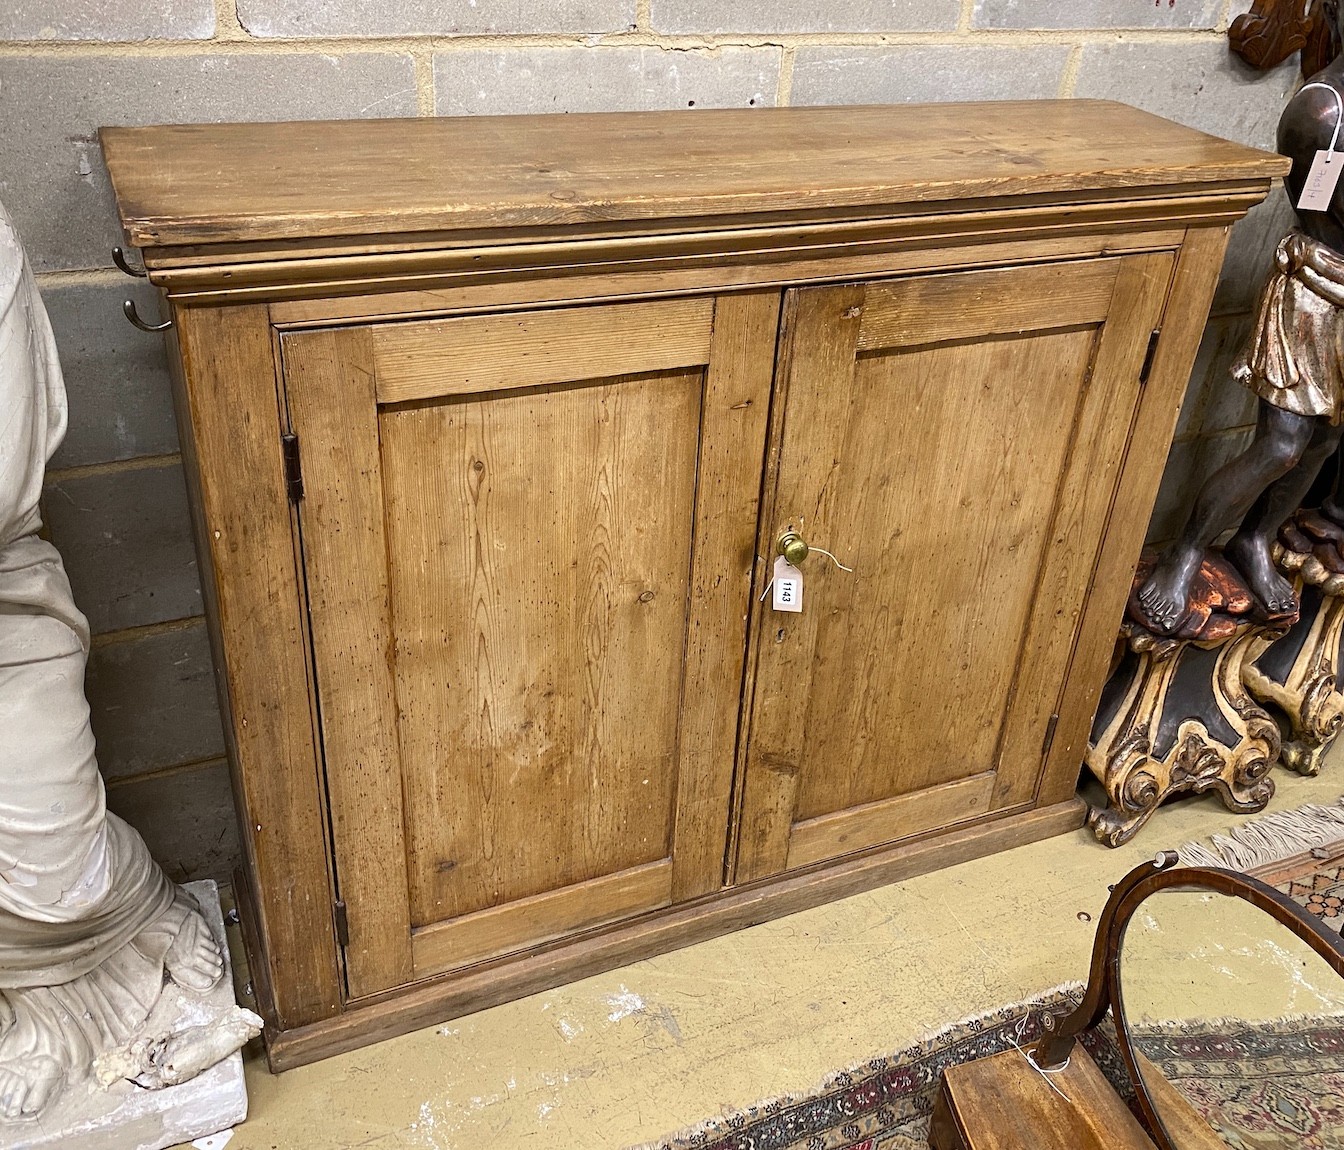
(624, 1004)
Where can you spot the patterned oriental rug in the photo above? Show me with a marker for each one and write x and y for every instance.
(1267, 1086)
(886, 1103)
(1261, 1086)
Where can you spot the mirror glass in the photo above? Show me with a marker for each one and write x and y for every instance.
(1237, 1025)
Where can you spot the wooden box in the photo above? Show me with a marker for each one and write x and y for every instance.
(492, 426)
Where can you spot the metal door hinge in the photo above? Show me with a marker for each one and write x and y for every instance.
(342, 924)
(293, 466)
(1049, 740)
(1150, 355)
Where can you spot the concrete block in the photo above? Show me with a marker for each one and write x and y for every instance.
(52, 177)
(1215, 401)
(106, 20)
(1250, 253)
(294, 18)
(125, 537)
(474, 82)
(1196, 15)
(780, 16)
(920, 73)
(153, 702)
(1201, 84)
(186, 819)
(1196, 82)
(121, 403)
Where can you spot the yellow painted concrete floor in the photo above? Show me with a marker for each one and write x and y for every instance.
(629, 1056)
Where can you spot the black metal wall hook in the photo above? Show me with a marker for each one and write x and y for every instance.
(119, 258)
(128, 306)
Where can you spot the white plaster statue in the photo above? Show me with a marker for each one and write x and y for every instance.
(90, 927)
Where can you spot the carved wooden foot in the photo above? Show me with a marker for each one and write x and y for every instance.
(1176, 716)
(1299, 674)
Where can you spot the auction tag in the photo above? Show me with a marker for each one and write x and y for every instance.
(1319, 189)
(788, 586)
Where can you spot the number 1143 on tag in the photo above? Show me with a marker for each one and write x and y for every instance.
(787, 586)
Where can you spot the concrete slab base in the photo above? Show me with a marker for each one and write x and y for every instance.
(127, 1117)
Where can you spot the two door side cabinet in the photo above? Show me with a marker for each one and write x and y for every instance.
(493, 427)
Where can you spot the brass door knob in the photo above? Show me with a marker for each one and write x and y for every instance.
(793, 548)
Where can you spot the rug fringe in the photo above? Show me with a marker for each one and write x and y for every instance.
(1269, 839)
(1053, 998)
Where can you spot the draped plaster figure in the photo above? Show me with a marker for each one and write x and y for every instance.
(90, 927)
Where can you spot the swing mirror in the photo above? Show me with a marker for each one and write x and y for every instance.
(1228, 1004)
(1231, 1019)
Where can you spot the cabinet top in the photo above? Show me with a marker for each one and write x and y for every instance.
(271, 183)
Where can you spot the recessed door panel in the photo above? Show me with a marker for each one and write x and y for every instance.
(953, 626)
(539, 601)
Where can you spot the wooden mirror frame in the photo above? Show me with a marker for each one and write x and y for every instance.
(1104, 984)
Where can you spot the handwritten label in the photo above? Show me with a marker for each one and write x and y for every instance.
(788, 586)
(1319, 189)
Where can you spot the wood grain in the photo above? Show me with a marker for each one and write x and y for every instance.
(501, 980)
(733, 426)
(1003, 1103)
(329, 382)
(526, 922)
(997, 244)
(250, 580)
(540, 591)
(1182, 321)
(527, 349)
(213, 183)
(549, 420)
(873, 466)
(403, 263)
(930, 309)
(858, 828)
(817, 356)
(1098, 453)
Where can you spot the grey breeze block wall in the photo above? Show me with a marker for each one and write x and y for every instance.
(115, 500)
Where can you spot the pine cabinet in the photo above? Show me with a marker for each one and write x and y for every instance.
(494, 427)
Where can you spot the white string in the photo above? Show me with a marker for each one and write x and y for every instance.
(1339, 109)
(819, 551)
(1041, 1070)
(832, 558)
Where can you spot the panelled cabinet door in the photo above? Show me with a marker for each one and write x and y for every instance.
(528, 541)
(956, 440)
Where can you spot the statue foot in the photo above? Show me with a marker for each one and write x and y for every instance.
(194, 961)
(28, 1084)
(163, 1060)
(1321, 527)
(179, 1057)
(1165, 594)
(1251, 558)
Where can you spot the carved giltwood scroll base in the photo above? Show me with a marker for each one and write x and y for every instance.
(1176, 717)
(1298, 674)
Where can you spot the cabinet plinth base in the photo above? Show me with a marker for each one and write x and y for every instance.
(489, 984)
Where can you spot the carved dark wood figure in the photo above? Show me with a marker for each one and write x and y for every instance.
(1274, 29)
(1295, 363)
(1176, 717)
